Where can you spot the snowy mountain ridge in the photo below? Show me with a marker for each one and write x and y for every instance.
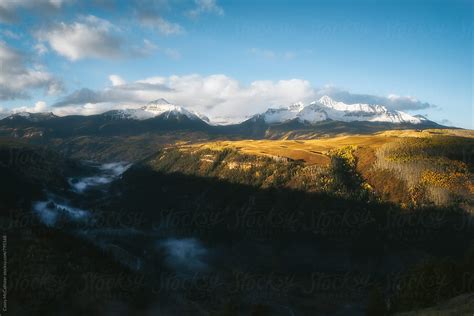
(328, 109)
(32, 117)
(156, 108)
(320, 110)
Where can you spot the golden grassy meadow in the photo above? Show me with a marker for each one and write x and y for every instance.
(409, 167)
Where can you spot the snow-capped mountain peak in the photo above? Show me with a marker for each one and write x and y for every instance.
(298, 106)
(159, 107)
(32, 117)
(325, 100)
(353, 107)
(327, 108)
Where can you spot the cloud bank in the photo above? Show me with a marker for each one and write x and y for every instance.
(216, 95)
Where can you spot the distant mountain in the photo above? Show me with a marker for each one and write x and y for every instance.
(328, 109)
(32, 117)
(319, 118)
(158, 116)
(159, 107)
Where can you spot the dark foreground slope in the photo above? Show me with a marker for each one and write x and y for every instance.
(328, 252)
(213, 232)
(49, 270)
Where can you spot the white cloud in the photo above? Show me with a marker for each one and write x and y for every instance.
(405, 101)
(89, 37)
(39, 106)
(93, 37)
(215, 95)
(16, 77)
(205, 6)
(116, 80)
(85, 109)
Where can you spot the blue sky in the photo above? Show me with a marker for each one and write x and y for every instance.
(236, 58)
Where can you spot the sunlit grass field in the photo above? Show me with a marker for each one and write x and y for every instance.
(316, 151)
(410, 167)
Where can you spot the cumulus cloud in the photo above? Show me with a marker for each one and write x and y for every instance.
(9, 8)
(39, 106)
(88, 37)
(205, 6)
(118, 93)
(85, 109)
(392, 101)
(17, 78)
(116, 80)
(92, 37)
(216, 96)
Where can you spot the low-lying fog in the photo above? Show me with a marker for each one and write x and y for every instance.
(185, 255)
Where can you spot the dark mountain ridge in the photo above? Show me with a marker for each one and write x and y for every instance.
(109, 124)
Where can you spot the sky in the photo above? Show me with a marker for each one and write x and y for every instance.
(232, 59)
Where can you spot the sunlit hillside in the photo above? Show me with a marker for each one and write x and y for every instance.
(410, 167)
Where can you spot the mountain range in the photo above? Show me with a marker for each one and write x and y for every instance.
(322, 117)
(156, 108)
(328, 109)
(124, 189)
(321, 110)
